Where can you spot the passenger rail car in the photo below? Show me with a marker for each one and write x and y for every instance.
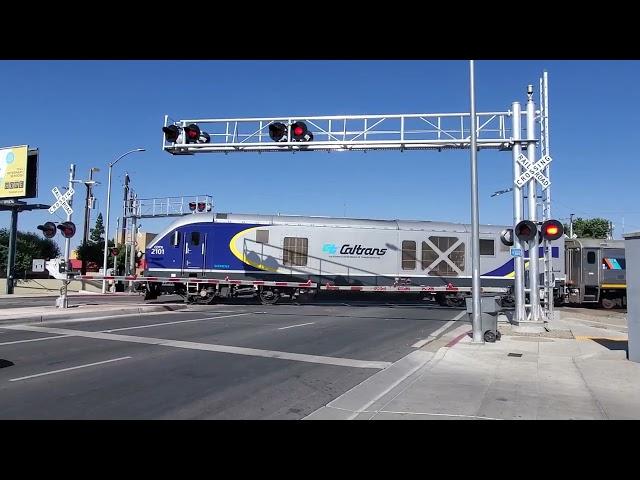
(596, 272)
(323, 250)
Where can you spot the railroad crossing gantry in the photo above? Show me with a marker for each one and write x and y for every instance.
(421, 131)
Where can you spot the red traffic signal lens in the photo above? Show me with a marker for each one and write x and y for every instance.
(526, 230)
(68, 229)
(192, 133)
(300, 132)
(48, 229)
(552, 230)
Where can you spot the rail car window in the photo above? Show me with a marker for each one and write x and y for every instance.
(591, 257)
(428, 255)
(295, 251)
(443, 267)
(487, 247)
(195, 238)
(408, 255)
(262, 236)
(175, 240)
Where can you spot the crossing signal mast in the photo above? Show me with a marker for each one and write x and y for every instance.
(499, 130)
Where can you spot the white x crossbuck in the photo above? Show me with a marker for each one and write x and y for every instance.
(533, 170)
(62, 200)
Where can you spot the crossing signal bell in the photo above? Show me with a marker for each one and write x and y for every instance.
(552, 230)
(68, 229)
(526, 230)
(48, 229)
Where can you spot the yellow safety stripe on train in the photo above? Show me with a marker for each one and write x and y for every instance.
(613, 285)
(241, 256)
(513, 274)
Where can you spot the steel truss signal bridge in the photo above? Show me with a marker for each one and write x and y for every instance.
(343, 133)
(421, 131)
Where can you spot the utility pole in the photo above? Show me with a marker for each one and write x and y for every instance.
(87, 206)
(124, 209)
(571, 225)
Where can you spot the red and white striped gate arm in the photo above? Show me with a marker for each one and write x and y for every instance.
(213, 281)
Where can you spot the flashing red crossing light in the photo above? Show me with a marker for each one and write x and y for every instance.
(300, 132)
(552, 230)
(48, 229)
(68, 229)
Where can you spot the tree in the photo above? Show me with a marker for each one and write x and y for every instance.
(97, 233)
(28, 246)
(590, 227)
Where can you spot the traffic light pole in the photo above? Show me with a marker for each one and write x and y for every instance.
(62, 301)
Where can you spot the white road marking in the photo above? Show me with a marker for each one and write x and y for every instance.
(300, 357)
(67, 369)
(118, 329)
(432, 336)
(172, 323)
(35, 339)
(299, 325)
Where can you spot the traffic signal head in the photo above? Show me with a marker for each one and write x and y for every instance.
(300, 133)
(278, 132)
(171, 133)
(526, 230)
(189, 134)
(552, 230)
(68, 229)
(48, 229)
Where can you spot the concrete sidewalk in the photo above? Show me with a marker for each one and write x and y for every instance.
(577, 370)
(11, 316)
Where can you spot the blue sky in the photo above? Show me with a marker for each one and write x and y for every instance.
(90, 112)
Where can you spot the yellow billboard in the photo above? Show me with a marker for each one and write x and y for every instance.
(13, 172)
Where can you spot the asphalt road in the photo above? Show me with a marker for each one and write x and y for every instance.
(207, 362)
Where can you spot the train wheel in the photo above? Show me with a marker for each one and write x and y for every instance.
(269, 297)
(608, 303)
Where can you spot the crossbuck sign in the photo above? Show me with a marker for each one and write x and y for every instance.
(62, 200)
(533, 170)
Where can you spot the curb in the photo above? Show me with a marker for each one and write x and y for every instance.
(52, 317)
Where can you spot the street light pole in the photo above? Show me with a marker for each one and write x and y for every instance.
(475, 217)
(106, 232)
